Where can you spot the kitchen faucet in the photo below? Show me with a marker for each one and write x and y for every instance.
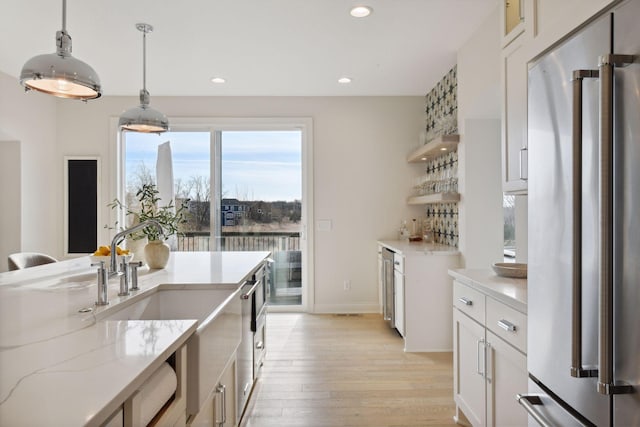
(113, 268)
(123, 270)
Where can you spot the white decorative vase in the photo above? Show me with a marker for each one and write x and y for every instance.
(156, 253)
(136, 247)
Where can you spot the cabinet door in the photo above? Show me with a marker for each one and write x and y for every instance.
(506, 377)
(514, 121)
(469, 367)
(398, 286)
(224, 407)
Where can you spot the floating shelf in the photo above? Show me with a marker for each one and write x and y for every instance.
(434, 198)
(433, 148)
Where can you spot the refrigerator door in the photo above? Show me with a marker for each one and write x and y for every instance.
(551, 219)
(626, 40)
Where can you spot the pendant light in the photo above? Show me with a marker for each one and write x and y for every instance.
(60, 74)
(144, 118)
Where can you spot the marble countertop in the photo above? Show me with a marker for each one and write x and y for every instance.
(512, 292)
(62, 367)
(417, 248)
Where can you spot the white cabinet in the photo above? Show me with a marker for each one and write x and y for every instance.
(518, 27)
(423, 291)
(517, 17)
(514, 118)
(398, 289)
(506, 377)
(219, 410)
(490, 363)
(468, 373)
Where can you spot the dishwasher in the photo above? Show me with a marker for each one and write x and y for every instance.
(252, 347)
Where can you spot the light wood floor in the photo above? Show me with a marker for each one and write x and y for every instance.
(333, 370)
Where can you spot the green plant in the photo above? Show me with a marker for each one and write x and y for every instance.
(169, 217)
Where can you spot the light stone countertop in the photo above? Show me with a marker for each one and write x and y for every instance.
(405, 247)
(512, 292)
(62, 367)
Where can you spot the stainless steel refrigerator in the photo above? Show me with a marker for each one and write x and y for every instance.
(584, 226)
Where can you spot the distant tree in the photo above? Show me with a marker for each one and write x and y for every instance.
(295, 216)
(139, 177)
(198, 190)
(180, 189)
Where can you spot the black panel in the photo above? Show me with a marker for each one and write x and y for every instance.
(82, 208)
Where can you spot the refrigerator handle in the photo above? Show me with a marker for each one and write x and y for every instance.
(606, 382)
(577, 370)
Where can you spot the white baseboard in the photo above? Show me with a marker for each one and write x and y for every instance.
(346, 308)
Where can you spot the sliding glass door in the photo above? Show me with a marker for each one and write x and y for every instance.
(261, 203)
(243, 189)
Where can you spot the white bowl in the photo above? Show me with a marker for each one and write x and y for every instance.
(510, 269)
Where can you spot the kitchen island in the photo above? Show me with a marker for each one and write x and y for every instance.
(63, 363)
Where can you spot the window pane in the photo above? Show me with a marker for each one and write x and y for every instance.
(262, 203)
(191, 160)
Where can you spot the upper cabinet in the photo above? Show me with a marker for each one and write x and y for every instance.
(527, 29)
(517, 28)
(512, 20)
(514, 118)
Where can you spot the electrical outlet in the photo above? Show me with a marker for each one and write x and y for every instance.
(347, 285)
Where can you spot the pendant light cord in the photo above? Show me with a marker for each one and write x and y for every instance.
(144, 60)
(64, 16)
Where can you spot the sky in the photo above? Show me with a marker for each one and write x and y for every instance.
(256, 165)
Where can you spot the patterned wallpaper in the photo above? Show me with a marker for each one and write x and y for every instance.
(441, 101)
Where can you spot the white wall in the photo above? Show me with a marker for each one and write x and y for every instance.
(481, 216)
(30, 120)
(360, 173)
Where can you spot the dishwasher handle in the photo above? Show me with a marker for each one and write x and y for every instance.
(252, 290)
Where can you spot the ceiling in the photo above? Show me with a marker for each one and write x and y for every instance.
(261, 47)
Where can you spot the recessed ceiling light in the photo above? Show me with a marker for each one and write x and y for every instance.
(443, 149)
(218, 80)
(361, 11)
(344, 80)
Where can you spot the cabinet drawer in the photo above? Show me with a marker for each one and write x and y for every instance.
(398, 262)
(469, 301)
(507, 323)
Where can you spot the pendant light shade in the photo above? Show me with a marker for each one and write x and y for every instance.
(60, 74)
(143, 118)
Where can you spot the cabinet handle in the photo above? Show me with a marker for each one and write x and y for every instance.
(222, 389)
(506, 325)
(465, 301)
(488, 362)
(524, 172)
(480, 368)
